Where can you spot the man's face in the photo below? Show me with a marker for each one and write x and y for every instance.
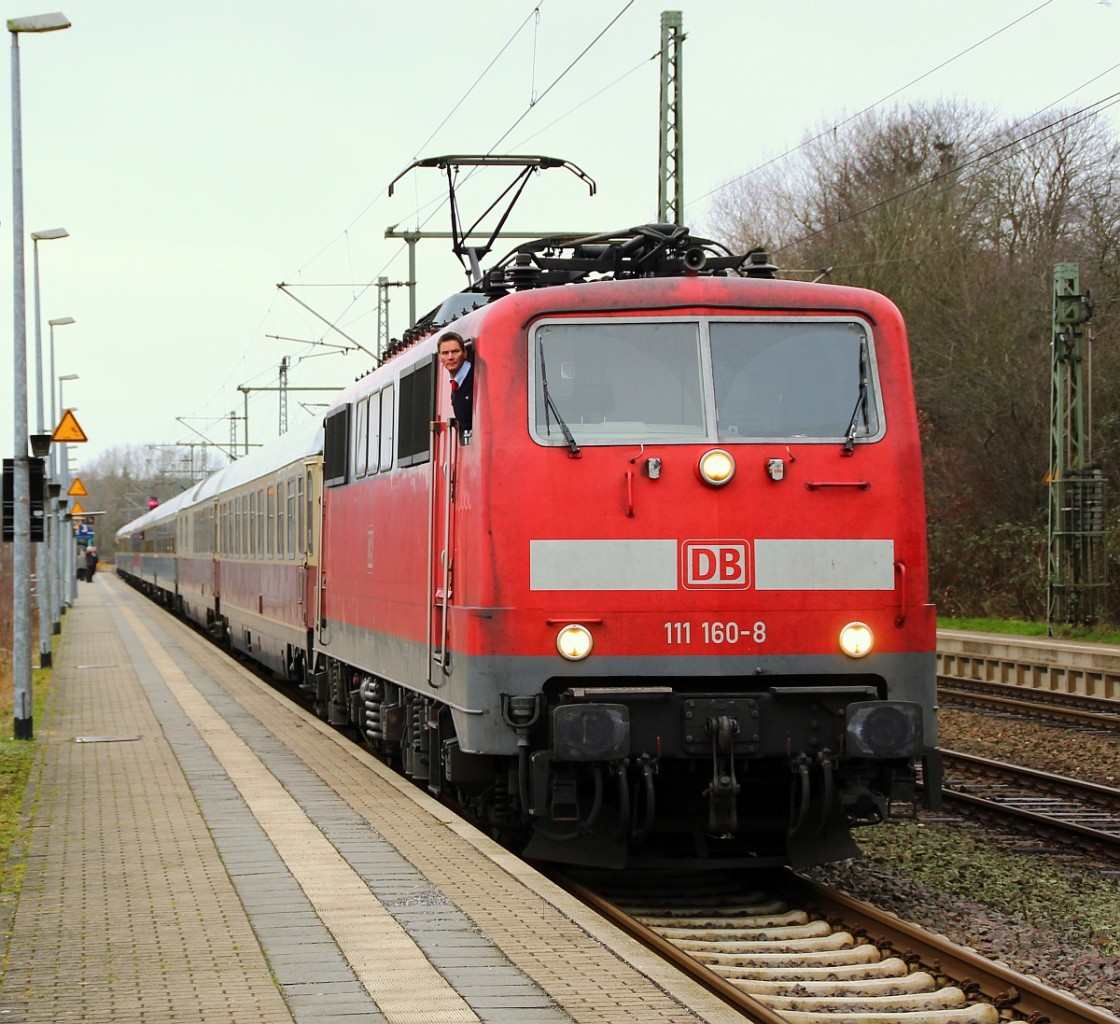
(451, 356)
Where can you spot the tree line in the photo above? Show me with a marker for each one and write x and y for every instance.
(123, 480)
(960, 217)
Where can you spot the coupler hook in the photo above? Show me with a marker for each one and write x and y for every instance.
(723, 790)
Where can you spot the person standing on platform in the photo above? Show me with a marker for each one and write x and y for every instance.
(91, 563)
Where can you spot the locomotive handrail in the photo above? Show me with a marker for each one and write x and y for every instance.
(900, 618)
(816, 485)
(449, 468)
(430, 588)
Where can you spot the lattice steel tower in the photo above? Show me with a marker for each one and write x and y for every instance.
(670, 183)
(1077, 566)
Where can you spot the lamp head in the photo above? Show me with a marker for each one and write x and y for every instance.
(43, 236)
(39, 23)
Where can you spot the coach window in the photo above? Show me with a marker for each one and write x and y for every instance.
(309, 497)
(291, 517)
(270, 540)
(386, 439)
(300, 512)
(262, 531)
(281, 515)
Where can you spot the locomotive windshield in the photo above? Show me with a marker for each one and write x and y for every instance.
(789, 379)
(726, 380)
(621, 379)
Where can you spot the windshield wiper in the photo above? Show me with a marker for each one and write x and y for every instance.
(550, 406)
(861, 405)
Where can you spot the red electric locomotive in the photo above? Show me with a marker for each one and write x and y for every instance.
(667, 596)
(669, 593)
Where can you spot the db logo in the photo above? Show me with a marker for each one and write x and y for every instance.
(715, 563)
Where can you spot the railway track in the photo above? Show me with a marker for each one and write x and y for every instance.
(1098, 714)
(784, 949)
(1083, 810)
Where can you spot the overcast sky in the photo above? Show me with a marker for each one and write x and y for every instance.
(201, 153)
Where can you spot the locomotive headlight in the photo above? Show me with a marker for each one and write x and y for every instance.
(716, 467)
(574, 642)
(856, 639)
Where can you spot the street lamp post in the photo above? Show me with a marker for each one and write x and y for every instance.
(66, 542)
(60, 591)
(22, 708)
(43, 560)
(21, 484)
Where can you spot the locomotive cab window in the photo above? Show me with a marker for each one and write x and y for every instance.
(417, 410)
(611, 382)
(681, 381)
(336, 446)
(793, 380)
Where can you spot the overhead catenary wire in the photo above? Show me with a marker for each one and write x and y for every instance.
(438, 204)
(871, 106)
(431, 209)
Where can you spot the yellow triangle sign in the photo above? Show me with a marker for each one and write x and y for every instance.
(68, 429)
(78, 489)
(77, 510)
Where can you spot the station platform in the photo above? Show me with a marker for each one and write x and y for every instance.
(197, 848)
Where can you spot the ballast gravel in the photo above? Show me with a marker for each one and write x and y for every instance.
(1042, 909)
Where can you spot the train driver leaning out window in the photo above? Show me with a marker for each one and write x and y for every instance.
(453, 356)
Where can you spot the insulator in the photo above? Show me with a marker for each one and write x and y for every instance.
(522, 273)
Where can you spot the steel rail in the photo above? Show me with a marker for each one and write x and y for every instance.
(1093, 712)
(1091, 797)
(1016, 996)
(671, 953)
(1031, 998)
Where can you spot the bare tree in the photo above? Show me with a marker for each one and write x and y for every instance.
(959, 219)
(122, 480)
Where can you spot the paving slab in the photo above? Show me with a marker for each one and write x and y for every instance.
(197, 848)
